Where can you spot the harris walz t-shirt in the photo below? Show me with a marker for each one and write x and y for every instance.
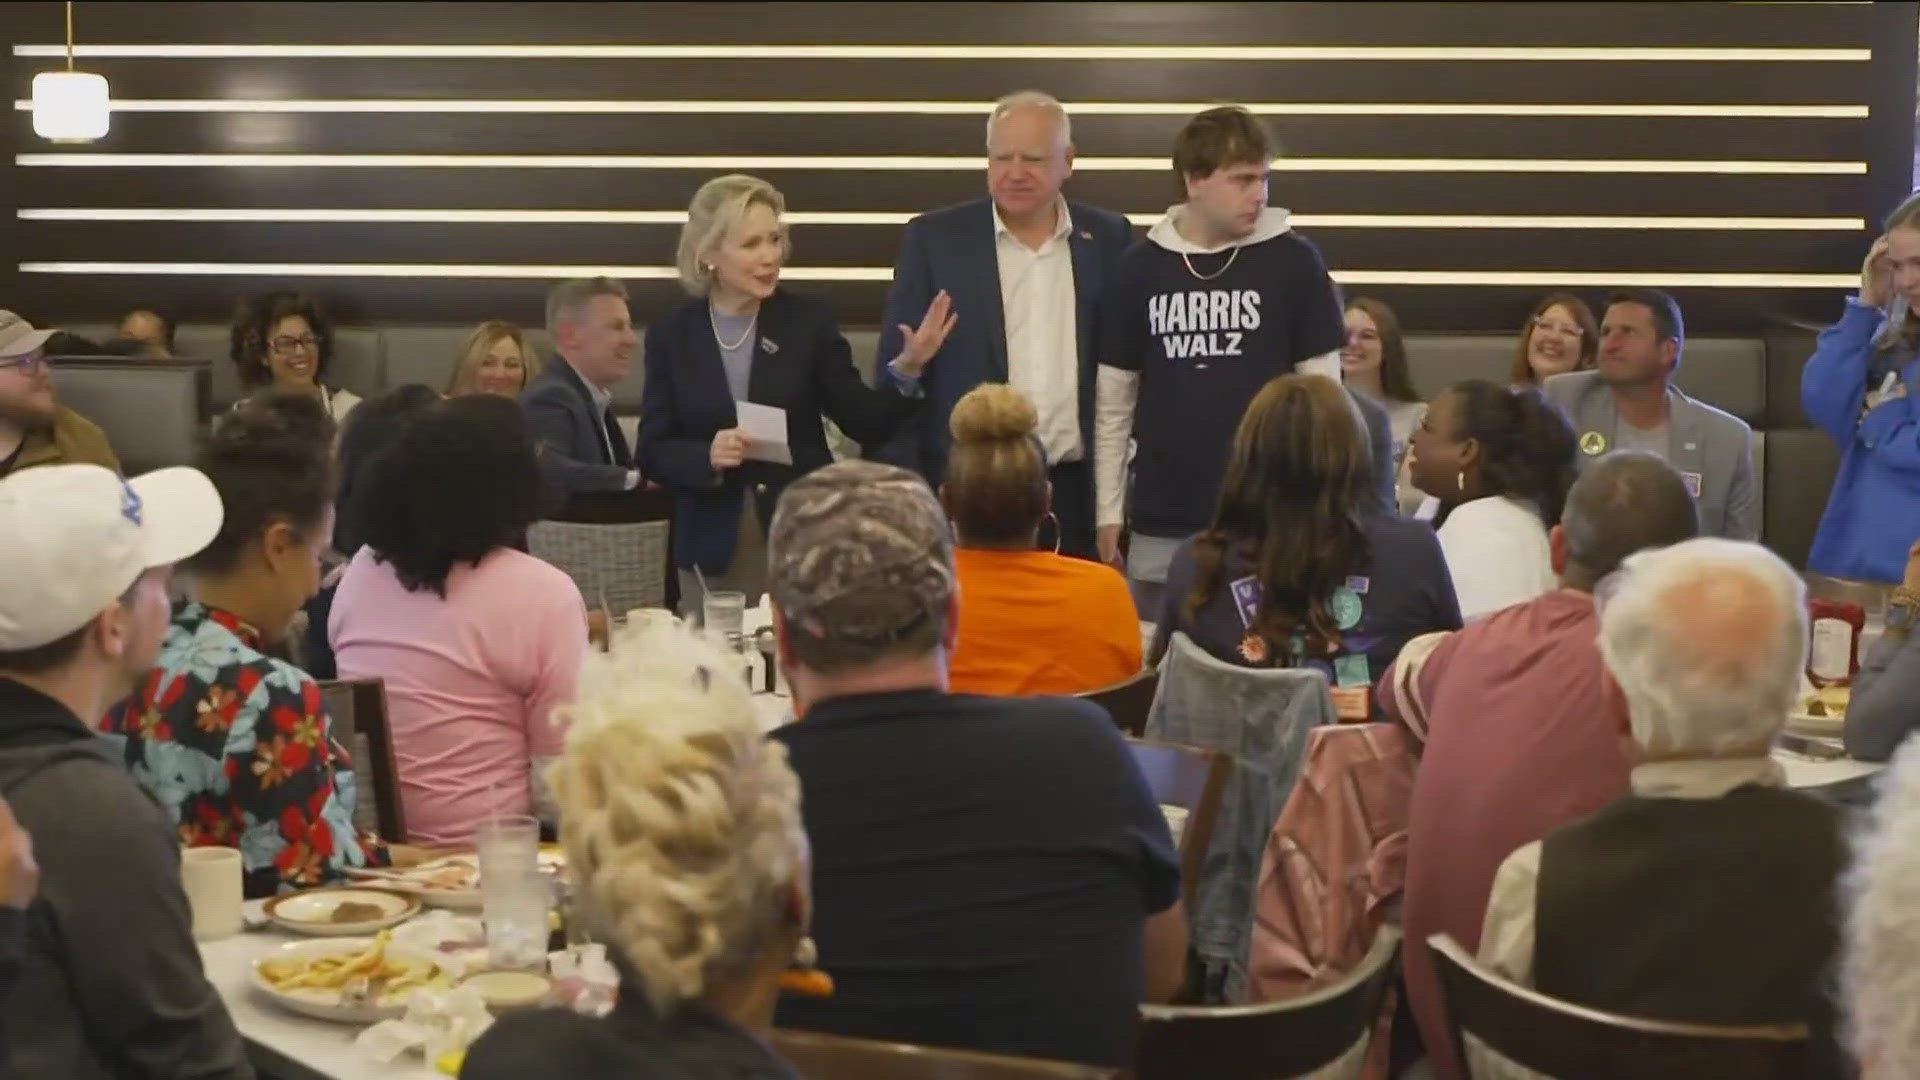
(1206, 331)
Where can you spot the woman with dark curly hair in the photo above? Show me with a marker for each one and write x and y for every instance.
(282, 339)
(1500, 462)
(1301, 567)
(477, 641)
(373, 427)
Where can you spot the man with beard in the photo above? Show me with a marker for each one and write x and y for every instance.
(34, 429)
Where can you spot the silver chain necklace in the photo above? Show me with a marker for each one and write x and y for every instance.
(737, 342)
(1209, 277)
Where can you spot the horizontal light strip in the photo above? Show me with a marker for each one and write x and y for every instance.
(884, 273)
(954, 108)
(945, 52)
(910, 163)
(867, 217)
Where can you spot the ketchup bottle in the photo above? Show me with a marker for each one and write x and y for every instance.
(1833, 646)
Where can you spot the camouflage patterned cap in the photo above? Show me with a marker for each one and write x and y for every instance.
(860, 553)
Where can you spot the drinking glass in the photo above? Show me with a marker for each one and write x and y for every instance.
(514, 894)
(723, 614)
(514, 908)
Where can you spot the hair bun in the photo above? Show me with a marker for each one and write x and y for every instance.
(993, 412)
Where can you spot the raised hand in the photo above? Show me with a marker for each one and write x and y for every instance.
(1876, 277)
(919, 344)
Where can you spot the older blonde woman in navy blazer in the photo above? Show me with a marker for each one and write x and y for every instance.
(744, 338)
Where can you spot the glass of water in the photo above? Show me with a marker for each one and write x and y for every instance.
(515, 912)
(514, 894)
(724, 614)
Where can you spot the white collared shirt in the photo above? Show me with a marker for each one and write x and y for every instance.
(1043, 343)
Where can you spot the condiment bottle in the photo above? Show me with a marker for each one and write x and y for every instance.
(1833, 646)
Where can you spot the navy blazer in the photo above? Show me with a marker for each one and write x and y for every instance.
(567, 429)
(953, 249)
(801, 363)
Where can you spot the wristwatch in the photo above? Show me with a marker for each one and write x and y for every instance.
(1903, 610)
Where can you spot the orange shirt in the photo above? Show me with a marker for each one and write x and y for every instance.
(1032, 622)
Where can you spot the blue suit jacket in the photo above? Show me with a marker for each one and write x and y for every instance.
(573, 451)
(801, 363)
(953, 249)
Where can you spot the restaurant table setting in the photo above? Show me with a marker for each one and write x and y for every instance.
(395, 974)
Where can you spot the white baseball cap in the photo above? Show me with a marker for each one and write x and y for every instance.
(18, 337)
(77, 536)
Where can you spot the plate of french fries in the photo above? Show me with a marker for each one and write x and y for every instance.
(352, 980)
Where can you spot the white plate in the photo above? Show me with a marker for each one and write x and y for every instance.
(323, 1004)
(413, 881)
(1801, 723)
(311, 911)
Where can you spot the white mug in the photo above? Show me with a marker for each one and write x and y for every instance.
(211, 877)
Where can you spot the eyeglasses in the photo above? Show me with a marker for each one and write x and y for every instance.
(303, 343)
(1563, 329)
(33, 361)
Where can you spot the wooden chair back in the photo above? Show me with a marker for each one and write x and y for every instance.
(357, 715)
(1194, 779)
(1276, 1040)
(1129, 700)
(833, 1057)
(1572, 1042)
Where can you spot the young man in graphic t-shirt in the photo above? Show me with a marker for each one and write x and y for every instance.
(1221, 297)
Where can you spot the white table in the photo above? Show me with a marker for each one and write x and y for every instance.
(286, 1044)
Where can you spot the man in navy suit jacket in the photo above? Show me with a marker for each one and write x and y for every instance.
(569, 406)
(1026, 270)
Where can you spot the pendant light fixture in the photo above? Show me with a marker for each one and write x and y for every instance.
(70, 106)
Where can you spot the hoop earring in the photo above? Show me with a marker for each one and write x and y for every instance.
(1051, 516)
(1460, 481)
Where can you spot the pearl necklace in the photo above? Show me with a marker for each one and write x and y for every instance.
(737, 342)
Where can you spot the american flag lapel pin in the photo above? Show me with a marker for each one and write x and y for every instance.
(767, 346)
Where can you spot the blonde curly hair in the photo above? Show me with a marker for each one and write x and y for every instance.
(681, 821)
(1879, 980)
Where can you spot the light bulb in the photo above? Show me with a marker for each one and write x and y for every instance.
(70, 106)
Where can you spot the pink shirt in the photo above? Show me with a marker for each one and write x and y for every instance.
(1524, 734)
(472, 679)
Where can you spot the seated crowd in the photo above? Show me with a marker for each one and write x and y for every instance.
(1548, 591)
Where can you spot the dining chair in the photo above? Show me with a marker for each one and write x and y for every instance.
(615, 546)
(1128, 700)
(1325, 1034)
(1509, 1031)
(1259, 718)
(1192, 778)
(357, 715)
(818, 1056)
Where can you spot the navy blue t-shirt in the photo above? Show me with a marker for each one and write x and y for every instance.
(1203, 349)
(982, 872)
(1408, 593)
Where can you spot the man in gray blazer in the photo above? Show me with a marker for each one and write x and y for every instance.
(1630, 403)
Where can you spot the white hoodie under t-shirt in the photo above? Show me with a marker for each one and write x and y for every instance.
(1188, 336)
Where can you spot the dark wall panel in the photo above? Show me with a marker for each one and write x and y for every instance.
(1801, 135)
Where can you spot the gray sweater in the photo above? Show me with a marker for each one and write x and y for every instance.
(110, 981)
(1886, 699)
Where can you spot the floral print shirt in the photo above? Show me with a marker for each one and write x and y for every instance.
(235, 745)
